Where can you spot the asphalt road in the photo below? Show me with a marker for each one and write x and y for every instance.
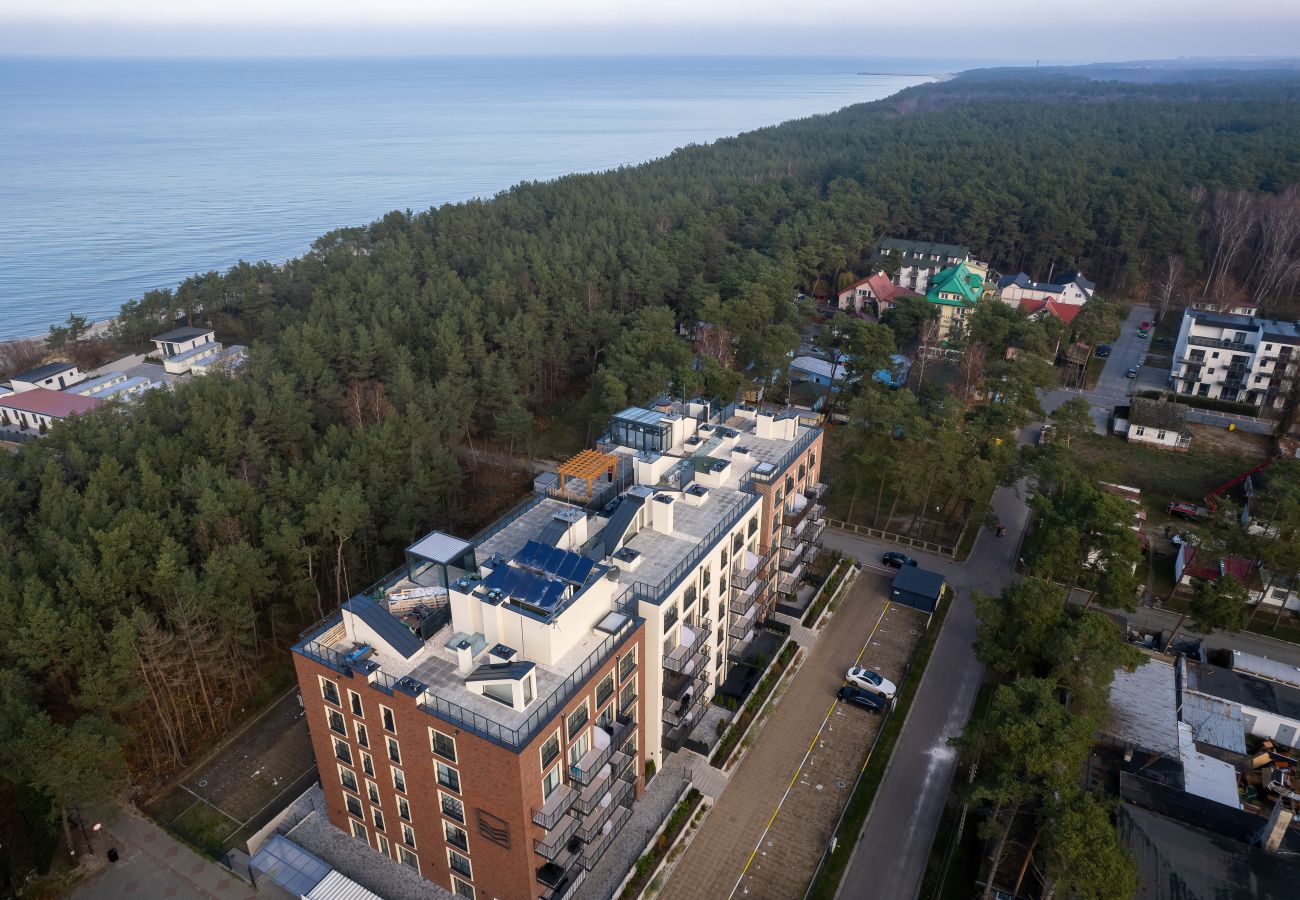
(890, 855)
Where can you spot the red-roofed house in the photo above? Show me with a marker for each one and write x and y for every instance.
(41, 406)
(1037, 308)
(876, 289)
(1189, 565)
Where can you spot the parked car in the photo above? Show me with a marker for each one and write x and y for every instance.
(862, 677)
(1045, 436)
(896, 560)
(1103, 351)
(866, 699)
(1132, 372)
(1145, 325)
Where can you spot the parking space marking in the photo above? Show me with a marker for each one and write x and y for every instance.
(803, 762)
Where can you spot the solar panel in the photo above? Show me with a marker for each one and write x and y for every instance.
(572, 567)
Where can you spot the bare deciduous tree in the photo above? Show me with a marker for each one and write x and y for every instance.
(1168, 284)
(1232, 221)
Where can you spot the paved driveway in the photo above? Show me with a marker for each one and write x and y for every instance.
(890, 855)
(718, 853)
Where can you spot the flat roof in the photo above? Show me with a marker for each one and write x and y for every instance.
(1204, 775)
(1214, 721)
(1266, 668)
(290, 866)
(182, 334)
(916, 580)
(40, 373)
(1247, 690)
(45, 402)
(135, 381)
(439, 547)
(337, 886)
(200, 350)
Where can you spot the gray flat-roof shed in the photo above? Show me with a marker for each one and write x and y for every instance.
(918, 588)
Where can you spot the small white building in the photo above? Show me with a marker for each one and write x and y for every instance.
(1157, 423)
(42, 407)
(54, 376)
(179, 340)
(196, 351)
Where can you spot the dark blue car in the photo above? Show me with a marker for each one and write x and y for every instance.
(869, 701)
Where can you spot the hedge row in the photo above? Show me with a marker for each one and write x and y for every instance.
(1227, 406)
(828, 590)
(649, 861)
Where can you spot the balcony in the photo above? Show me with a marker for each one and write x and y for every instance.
(566, 885)
(585, 770)
(795, 536)
(555, 806)
(549, 847)
(744, 600)
(789, 581)
(1219, 344)
(793, 517)
(591, 825)
(791, 559)
(741, 626)
(815, 492)
(597, 848)
(684, 656)
(599, 787)
(745, 569)
(683, 710)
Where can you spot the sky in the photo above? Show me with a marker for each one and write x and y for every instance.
(1003, 30)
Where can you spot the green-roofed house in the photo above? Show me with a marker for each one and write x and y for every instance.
(955, 290)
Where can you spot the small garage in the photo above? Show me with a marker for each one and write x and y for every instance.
(917, 588)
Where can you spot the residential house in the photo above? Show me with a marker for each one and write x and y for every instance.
(41, 407)
(1159, 423)
(485, 714)
(875, 294)
(1036, 309)
(114, 386)
(54, 376)
(955, 291)
(1190, 565)
(1070, 290)
(1236, 358)
(920, 260)
(196, 351)
(820, 372)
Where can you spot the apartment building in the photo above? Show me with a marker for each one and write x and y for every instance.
(920, 260)
(1235, 358)
(485, 714)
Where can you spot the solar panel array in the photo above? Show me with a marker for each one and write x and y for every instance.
(572, 567)
(539, 591)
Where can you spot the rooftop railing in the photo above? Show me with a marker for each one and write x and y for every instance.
(779, 467)
(509, 518)
(655, 593)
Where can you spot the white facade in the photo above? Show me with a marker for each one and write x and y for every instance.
(174, 343)
(52, 377)
(1235, 358)
(1069, 294)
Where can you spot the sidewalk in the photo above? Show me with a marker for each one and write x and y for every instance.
(152, 864)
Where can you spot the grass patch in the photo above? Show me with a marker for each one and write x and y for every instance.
(828, 590)
(746, 716)
(1162, 475)
(204, 827)
(828, 878)
(650, 860)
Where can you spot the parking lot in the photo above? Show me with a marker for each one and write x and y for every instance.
(787, 855)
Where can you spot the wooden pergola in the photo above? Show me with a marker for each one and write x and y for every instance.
(588, 465)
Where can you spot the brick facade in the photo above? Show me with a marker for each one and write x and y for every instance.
(500, 787)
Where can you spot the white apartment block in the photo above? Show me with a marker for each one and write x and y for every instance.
(1241, 359)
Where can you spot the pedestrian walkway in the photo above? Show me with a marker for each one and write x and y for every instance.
(804, 637)
(648, 814)
(717, 854)
(709, 781)
(152, 864)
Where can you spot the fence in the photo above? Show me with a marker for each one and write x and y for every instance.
(917, 543)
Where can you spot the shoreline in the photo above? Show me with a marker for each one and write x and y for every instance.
(474, 182)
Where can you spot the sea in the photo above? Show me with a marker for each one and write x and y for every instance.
(120, 176)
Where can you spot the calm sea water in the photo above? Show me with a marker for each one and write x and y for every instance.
(117, 177)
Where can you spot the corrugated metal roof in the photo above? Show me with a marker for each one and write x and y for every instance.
(337, 886)
(1204, 775)
(1214, 721)
(290, 866)
(1142, 708)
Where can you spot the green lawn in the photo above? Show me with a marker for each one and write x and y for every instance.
(204, 827)
(1162, 475)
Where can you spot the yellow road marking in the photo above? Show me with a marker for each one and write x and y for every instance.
(803, 762)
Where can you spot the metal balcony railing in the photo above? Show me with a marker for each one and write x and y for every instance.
(740, 648)
(567, 887)
(815, 491)
(1220, 344)
(741, 626)
(589, 766)
(549, 847)
(744, 600)
(555, 806)
(684, 655)
(597, 848)
(591, 826)
(790, 559)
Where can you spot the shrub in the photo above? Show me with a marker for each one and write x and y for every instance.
(732, 738)
(649, 770)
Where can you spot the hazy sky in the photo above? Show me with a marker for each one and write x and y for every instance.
(1052, 30)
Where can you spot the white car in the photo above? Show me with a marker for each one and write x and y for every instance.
(871, 681)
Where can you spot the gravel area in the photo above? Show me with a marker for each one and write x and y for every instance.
(368, 868)
(647, 815)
